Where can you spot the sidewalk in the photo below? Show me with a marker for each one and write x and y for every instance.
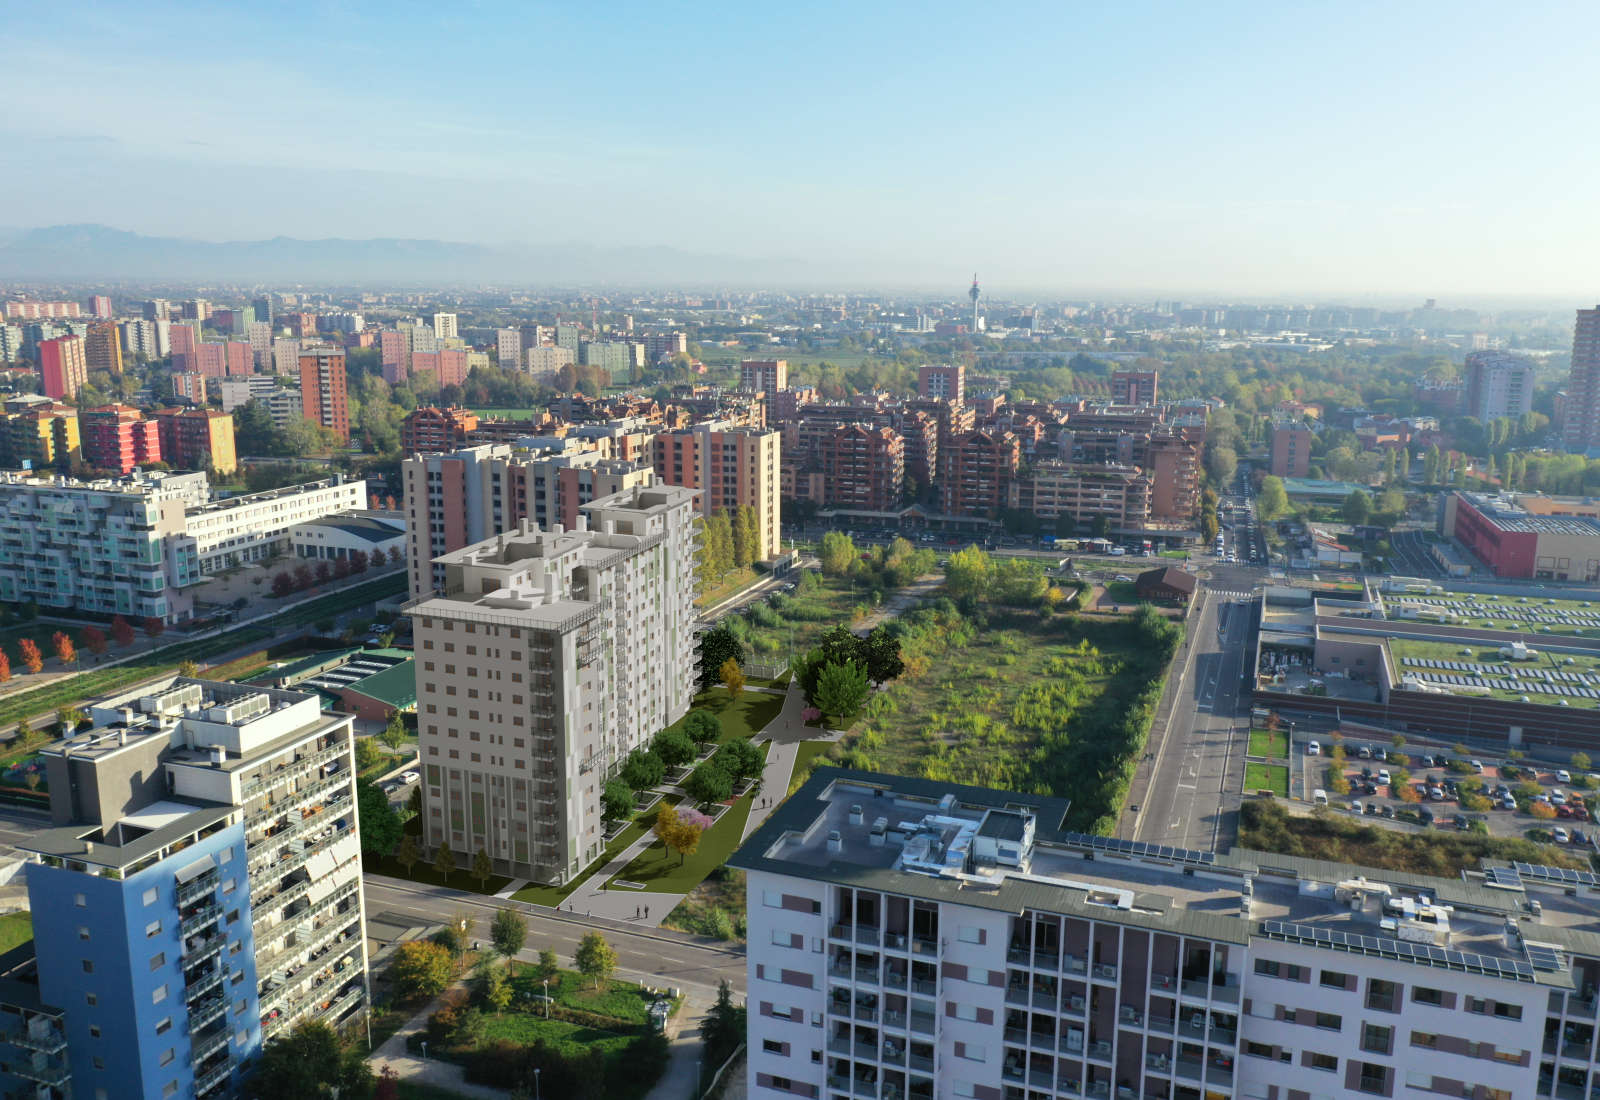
(683, 1031)
(411, 1067)
(621, 905)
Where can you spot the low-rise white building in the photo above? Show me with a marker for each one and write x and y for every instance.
(338, 537)
(914, 939)
(239, 530)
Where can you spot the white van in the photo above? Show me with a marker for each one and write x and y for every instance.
(1319, 797)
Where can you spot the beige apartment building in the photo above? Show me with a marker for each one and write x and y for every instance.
(550, 654)
(1085, 491)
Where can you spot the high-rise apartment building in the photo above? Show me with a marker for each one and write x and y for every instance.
(731, 467)
(543, 361)
(1580, 427)
(286, 358)
(63, 367)
(184, 341)
(158, 309)
(508, 348)
(1084, 493)
(942, 382)
(664, 345)
(102, 349)
(431, 429)
(586, 636)
(37, 311)
(191, 387)
(975, 472)
(40, 434)
(1290, 441)
(1173, 462)
(100, 306)
(197, 439)
(764, 375)
(1133, 387)
(118, 438)
(922, 940)
(444, 326)
(862, 468)
(456, 499)
(322, 389)
(199, 892)
(1498, 385)
(259, 336)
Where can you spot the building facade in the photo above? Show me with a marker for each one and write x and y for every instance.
(431, 429)
(731, 467)
(1083, 493)
(1291, 449)
(975, 472)
(118, 438)
(1514, 541)
(63, 367)
(322, 389)
(764, 375)
(197, 439)
(40, 434)
(914, 939)
(200, 889)
(1498, 385)
(943, 382)
(862, 469)
(102, 348)
(1133, 387)
(1580, 427)
(587, 637)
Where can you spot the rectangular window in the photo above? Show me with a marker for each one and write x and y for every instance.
(1424, 1039)
(1335, 980)
(772, 1046)
(158, 960)
(1322, 1061)
(167, 1056)
(1381, 995)
(1373, 1078)
(150, 896)
(1375, 1038)
(88, 966)
(164, 1026)
(1258, 1050)
(966, 933)
(1329, 1022)
(1422, 995)
(152, 929)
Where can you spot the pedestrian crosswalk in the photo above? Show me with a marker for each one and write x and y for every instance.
(1224, 594)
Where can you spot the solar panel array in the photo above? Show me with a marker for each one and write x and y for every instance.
(1560, 875)
(1425, 954)
(1527, 614)
(1506, 877)
(1140, 848)
(1542, 957)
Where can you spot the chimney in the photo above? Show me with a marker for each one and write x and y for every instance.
(582, 524)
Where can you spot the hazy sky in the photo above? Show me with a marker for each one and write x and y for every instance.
(1254, 147)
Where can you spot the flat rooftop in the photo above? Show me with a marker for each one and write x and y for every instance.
(1481, 670)
(925, 839)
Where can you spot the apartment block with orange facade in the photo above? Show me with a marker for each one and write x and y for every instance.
(102, 347)
(863, 468)
(432, 429)
(63, 367)
(976, 469)
(765, 375)
(1173, 463)
(732, 467)
(118, 438)
(322, 389)
(1291, 449)
(194, 439)
(40, 433)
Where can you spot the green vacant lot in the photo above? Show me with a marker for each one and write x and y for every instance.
(743, 717)
(1267, 777)
(1025, 701)
(1269, 743)
(15, 929)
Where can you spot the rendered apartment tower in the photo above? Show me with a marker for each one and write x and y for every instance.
(915, 939)
(548, 657)
(200, 890)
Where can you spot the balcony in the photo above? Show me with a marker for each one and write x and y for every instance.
(922, 1023)
(213, 1077)
(202, 984)
(1100, 1050)
(205, 1010)
(252, 787)
(198, 888)
(209, 913)
(206, 1045)
(46, 1040)
(1104, 973)
(41, 1070)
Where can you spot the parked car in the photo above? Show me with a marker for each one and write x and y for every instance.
(1425, 815)
(1563, 776)
(1477, 766)
(1356, 808)
(1380, 753)
(1365, 752)
(409, 778)
(1313, 748)
(1427, 760)
(1436, 793)
(1557, 797)
(1372, 809)
(1508, 803)
(1579, 837)
(1560, 835)
(1383, 776)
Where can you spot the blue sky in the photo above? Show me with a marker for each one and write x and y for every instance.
(1412, 148)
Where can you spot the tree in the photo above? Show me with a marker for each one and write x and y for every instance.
(674, 747)
(189, 669)
(94, 639)
(740, 532)
(595, 958)
(5, 667)
(508, 932)
(717, 648)
(444, 861)
(642, 770)
(616, 801)
(1357, 508)
(31, 658)
(379, 825)
(881, 652)
(309, 1062)
(680, 830)
(841, 688)
(359, 561)
(1273, 500)
(1542, 810)
(838, 553)
(497, 988)
(408, 854)
(732, 677)
(482, 867)
(968, 574)
(1580, 761)
(395, 733)
(154, 626)
(1209, 526)
(1221, 463)
(69, 719)
(724, 1027)
(322, 571)
(65, 651)
(741, 759)
(367, 753)
(710, 782)
(421, 969)
(701, 726)
(455, 934)
(24, 734)
(548, 965)
(121, 631)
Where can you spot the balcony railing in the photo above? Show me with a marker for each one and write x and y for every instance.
(198, 888)
(205, 1010)
(213, 1077)
(49, 1041)
(209, 913)
(253, 787)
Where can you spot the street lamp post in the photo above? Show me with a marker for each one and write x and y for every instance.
(424, 1050)
(547, 998)
(536, 1093)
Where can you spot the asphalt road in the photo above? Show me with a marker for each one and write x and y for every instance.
(1193, 791)
(659, 957)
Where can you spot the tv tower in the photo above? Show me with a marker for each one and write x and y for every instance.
(973, 294)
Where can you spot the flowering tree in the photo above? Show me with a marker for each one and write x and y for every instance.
(30, 655)
(95, 639)
(121, 631)
(66, 652)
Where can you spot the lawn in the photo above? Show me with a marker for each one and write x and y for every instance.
(1269, 743)
(1496, 666)
(510, 414)
(1267, 777)
(663, 870)
(15, 929)
(790, 624)
(714, 908)
(625, 1002)
(808, 754)
(1122, 592)
(743, 717)
(553, 896)
(424, 871)
(1176, 555)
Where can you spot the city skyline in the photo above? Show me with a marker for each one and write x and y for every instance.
(1169, 150)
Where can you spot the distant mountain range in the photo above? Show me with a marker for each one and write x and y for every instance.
(100, 252)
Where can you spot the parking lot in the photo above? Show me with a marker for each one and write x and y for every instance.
(1420, 786)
